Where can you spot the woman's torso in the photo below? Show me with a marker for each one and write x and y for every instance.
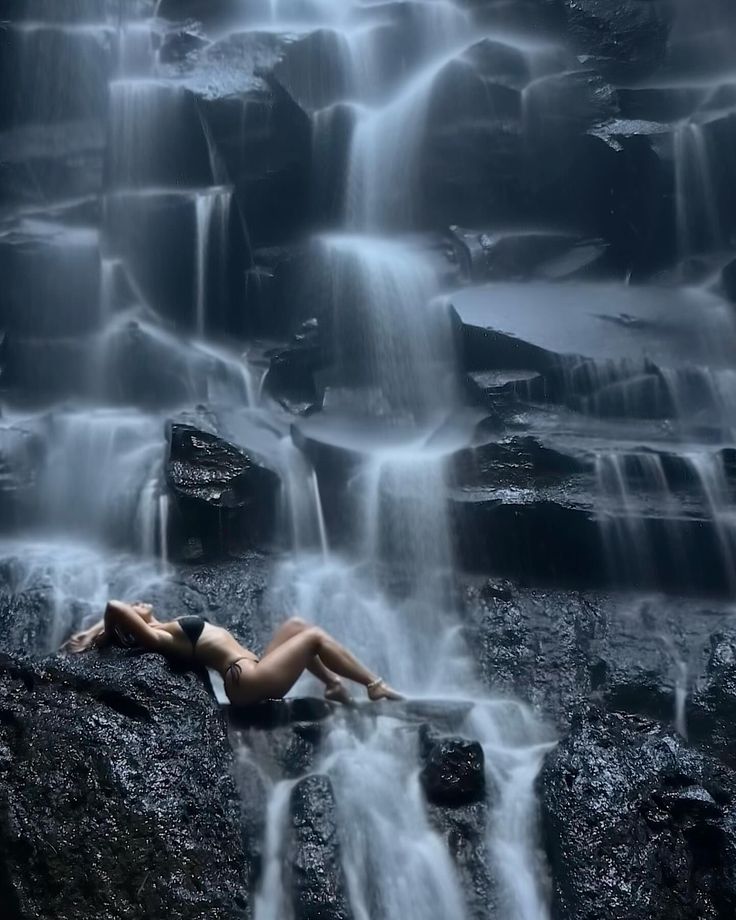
(215, 647)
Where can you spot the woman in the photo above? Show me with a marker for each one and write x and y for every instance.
(297, 646)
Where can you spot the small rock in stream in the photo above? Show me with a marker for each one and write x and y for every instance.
(453, 771)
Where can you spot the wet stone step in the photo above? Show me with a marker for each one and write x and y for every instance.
(277, 713)
(444, 715)
(548, 537)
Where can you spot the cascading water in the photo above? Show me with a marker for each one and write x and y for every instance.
(206, 128)
(391, 398)
(99, 477)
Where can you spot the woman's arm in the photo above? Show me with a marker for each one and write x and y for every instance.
(123, 619)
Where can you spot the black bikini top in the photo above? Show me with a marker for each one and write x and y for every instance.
(192, 627)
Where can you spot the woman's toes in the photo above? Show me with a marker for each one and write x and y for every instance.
(382, 691)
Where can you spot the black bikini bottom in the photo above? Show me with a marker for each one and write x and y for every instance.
(192, 627)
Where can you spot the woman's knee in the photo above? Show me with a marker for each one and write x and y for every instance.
(296, 624)
(315, 636)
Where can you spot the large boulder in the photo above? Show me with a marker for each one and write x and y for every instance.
(224, 498)
(318, 886)
(637, 825)
(117, 799)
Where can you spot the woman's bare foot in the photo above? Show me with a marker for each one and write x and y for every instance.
(337, 693)
(380, 690)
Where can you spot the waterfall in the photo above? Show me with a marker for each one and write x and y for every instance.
(383, 171)
(698, 219)
(212, 216)
(387, 330)
(385, 827)
(100, 475)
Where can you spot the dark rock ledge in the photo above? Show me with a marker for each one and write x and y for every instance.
(116, 795)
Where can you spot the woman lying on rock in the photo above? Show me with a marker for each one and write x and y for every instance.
(296, 646)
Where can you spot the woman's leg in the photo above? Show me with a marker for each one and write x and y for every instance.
(292, 627)
(278, 671)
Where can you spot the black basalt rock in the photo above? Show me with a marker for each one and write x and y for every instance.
(453, 771)
(318, 888)
(623, 38)
(225, 498)
(712, 710)
(637, 825)
(116, 798)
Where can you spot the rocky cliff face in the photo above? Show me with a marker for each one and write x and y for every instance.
(224, 230)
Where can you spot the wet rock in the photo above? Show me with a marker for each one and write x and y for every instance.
(277, 713)
(51, 279)
(566, 104)
(558, 648)
(636, 824)
(142, 364)
(534, 16)
(42, 163)
(520, 461)
(522, 255)
(291, 373)
(261, 134)
(284, 751)
(472, 167)
(117, 796)
(614, 181)
(453, 771)
(277, 295)
(318, 887)
(622, 38)
(728, 280)
(253, 790)
(539, 535)
(71, 85)
(223, 497)
(211, 13)
(711, 713)
(178, 43)
(157, 233)
(533, 326)
(464, 830)
(21, 456)
(498, 589)
(312, 70)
